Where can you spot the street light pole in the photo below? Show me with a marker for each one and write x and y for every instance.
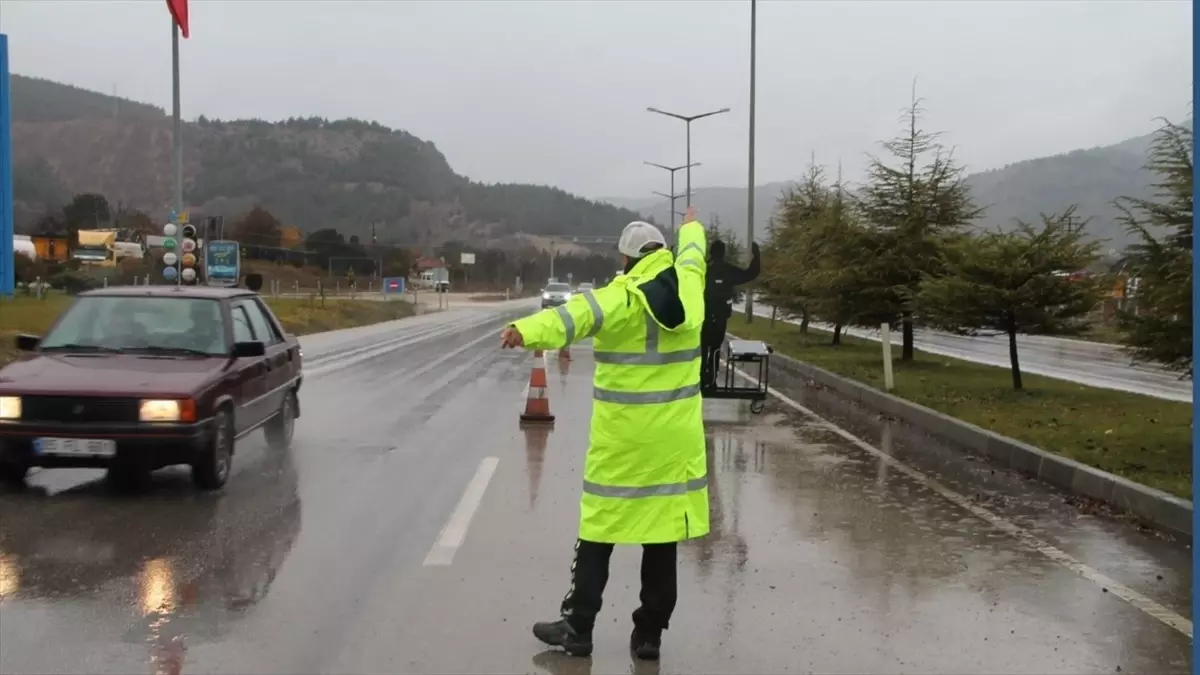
(750, 188)
(688, 119)
(672, 170)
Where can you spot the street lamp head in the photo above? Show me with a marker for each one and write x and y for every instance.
(668, 114)
(687, 118)
(672, 169)
(710, 114)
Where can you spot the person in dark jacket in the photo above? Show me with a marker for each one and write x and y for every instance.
(720, 288)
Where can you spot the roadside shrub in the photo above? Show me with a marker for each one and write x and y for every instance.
(73, 282)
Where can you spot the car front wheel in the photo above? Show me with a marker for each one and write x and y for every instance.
(13, 474)
(280, 429)
(212, 470)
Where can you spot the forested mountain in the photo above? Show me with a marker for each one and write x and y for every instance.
(310, 172)
(1091, 178)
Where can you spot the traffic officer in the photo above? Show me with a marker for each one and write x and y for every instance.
(720, 287)
(645, 478)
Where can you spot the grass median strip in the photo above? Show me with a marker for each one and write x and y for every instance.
(1141, 438)
(299, 316)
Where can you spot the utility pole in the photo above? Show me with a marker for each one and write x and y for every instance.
(671, 170)
(750, 189)
(687, 120)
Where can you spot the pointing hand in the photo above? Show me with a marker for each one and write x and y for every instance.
(510, 338)
(690, 215)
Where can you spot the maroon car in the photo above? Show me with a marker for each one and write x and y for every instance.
(137, 378)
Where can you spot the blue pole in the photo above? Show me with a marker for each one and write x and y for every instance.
(7, 280)
(1195, 358)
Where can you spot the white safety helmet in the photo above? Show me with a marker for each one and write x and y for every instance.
(636, 236)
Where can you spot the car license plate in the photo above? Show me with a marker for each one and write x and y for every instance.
(75, 447)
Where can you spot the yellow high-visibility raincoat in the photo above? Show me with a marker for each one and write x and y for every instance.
(645, 479)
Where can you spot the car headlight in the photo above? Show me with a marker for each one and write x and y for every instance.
(545, 296)
(10, 407)
(168, 410)
(566, 296)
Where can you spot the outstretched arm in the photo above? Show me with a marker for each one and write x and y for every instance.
(740, 276)
(580, 318)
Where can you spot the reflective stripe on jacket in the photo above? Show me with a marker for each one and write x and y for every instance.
(645, 479)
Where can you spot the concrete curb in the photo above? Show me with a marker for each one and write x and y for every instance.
(1157, 508)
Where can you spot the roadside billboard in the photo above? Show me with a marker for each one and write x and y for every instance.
(222, 263)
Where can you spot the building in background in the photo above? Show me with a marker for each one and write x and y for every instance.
(52, 247)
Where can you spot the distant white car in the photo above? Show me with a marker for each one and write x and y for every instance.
(555, 294)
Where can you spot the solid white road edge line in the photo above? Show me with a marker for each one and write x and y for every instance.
(455, 531)
(1059, 556)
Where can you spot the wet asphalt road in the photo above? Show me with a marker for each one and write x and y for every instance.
(360, 551)
(1091, 363)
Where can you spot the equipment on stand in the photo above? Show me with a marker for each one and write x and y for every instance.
(741, 355)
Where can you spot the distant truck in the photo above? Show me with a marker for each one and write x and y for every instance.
(97, 248)
(100, 248)
(436, 279)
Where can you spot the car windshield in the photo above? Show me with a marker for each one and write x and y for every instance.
(557, 288)
(123, 323)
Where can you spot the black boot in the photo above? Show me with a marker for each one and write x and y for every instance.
(561, 634)
(645, 646)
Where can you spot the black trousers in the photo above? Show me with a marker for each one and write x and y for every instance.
(712, 336)
(589, 576)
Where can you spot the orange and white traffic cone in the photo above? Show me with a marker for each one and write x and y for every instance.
(537, 406)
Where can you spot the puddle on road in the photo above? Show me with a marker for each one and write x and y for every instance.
(795, 506)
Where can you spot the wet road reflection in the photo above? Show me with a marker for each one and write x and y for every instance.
(167, 569)
(822, 557)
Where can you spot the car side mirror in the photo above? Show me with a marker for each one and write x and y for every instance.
(28, 343)
(249, 350)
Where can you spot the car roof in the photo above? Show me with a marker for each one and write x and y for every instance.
(170, 291)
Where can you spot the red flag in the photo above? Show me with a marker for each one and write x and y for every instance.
(179, 12)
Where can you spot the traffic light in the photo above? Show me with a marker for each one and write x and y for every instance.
(187, 261)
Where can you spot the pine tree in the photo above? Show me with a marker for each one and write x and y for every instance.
(1159, 330)
(916, 207)
(840, 280)
(785, 257)
(1020, 281)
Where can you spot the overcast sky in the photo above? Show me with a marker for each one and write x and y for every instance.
(555, 91)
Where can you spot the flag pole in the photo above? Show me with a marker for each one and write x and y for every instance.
(177, 197)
